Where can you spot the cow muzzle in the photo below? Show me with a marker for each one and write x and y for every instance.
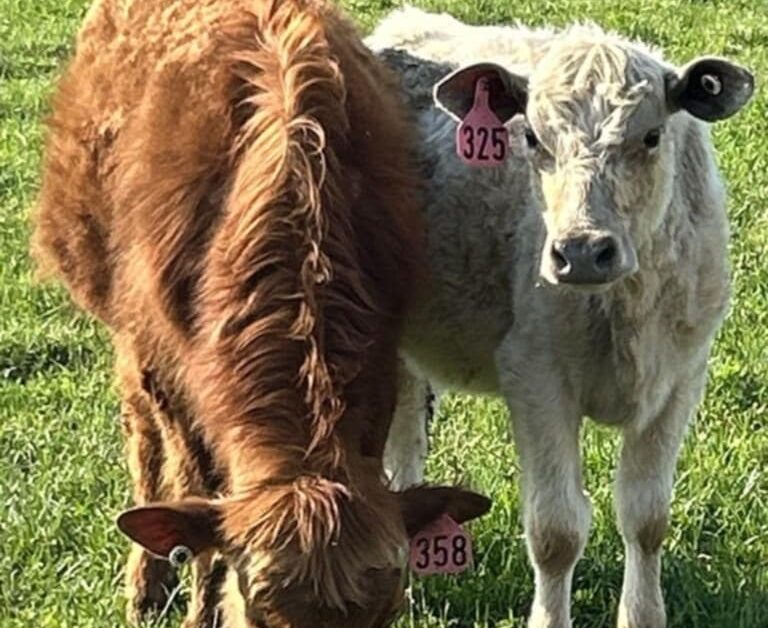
(591, 258)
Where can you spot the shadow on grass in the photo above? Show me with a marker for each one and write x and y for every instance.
(20, 363)
(697, 595)
(35, 61)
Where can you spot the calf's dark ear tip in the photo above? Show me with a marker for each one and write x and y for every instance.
(483, 504)
(124, 521)
(122, 518)
(473, 506)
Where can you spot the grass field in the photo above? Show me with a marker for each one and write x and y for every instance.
(62, 476)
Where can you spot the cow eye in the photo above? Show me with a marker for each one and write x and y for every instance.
(542, 158)
(531, 139)
(652, 138)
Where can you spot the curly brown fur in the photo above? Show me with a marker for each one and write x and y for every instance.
(228, 186)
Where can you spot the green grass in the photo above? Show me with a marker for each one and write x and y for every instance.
(62, 475)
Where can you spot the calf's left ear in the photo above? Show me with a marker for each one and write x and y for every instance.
(423, 505)
(161, 528)
(710, 88)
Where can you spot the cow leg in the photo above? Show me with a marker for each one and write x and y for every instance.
(405, 454)
(149, 580)
(188, 473)
(556, 512)
(644, 483)
(209, 574)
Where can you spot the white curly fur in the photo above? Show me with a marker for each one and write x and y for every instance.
(633, 354)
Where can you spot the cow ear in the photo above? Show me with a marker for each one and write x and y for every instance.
(160, 528)
(508, 92)
(710, 88)
(423, 505)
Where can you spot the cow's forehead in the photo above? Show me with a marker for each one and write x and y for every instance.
(595, 86)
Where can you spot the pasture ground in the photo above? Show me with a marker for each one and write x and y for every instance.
(62, 475)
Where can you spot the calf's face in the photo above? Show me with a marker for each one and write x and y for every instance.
(599, 116)
(297, 576)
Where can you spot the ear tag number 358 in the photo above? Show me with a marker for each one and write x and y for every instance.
(443, 547)
(481, 139)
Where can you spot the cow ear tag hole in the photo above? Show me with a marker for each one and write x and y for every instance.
(711, 84)
(481, 139)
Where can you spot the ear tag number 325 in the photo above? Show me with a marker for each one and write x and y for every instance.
(443, 547)
(481, 139)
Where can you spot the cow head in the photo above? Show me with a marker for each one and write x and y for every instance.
(309, 554)
(602, 140)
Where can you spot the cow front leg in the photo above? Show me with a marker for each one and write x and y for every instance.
(405, 454)
(189, 473)
(209, 573)
(644, 481)
(556, 511)
(149, 580)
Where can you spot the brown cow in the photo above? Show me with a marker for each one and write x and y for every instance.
(227, 186)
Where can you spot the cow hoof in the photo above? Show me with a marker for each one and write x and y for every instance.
(649, 615)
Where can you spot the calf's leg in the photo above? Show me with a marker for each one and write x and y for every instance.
(188, 472)
(556, 512)
(149, 580)
(405, 454)
(644, 483)
(209, 573)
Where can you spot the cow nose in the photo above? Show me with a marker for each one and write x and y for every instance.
(586, 259)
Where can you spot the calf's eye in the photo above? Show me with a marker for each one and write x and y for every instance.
(531, 139)
(652, 138)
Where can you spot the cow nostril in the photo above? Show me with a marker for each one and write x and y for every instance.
(559, 259)
(607, 254)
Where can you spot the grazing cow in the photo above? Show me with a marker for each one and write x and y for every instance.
(227, 186)
(587, 276)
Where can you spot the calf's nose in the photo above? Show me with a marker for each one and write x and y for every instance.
(593, 258)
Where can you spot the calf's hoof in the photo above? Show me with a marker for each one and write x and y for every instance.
(543, 618)
(649, 614)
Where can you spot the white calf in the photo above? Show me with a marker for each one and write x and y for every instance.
(585, 277)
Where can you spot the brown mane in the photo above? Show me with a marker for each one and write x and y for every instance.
(287, 322)
(282, 278)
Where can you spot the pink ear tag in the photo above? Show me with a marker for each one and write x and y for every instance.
(442, 547)
(481, 139)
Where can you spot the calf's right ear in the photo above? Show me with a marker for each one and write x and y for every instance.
(508, 92)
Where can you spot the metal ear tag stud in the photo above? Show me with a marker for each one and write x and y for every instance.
(711, 84)
(180, 556)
